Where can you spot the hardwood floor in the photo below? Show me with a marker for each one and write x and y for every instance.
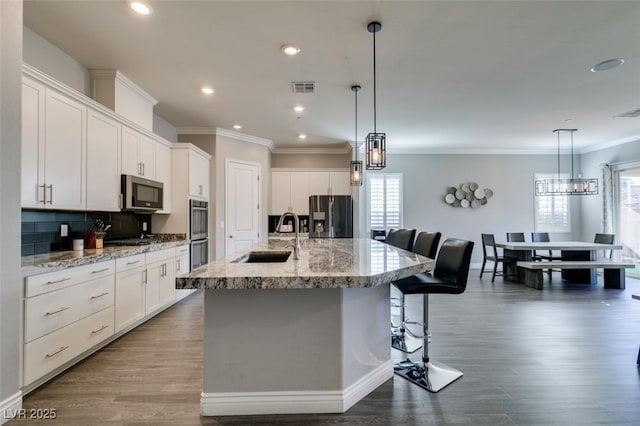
(562, 356)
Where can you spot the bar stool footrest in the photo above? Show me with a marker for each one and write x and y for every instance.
(432, 376)
(405, 343)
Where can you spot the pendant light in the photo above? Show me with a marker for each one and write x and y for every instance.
(376, 150)
(572, 186)
(356, 166)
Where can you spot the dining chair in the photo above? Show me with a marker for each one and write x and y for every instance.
(490, 252)
(543, 237)
(515, 237)
(605, 239)
(426, 245)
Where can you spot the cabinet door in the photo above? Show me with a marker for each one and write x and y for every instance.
(182, 260)
(152, 288)
(340, 183)
(65, 149)
(32, 143)
(163, 174)
(167, 282)
(147, 156)
(319, 183)
(103, 162)
(300, 192)
(129, 297)
(198, 176)
(130, 141)
(280, 192)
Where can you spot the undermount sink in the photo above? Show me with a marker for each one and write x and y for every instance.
(267, 256)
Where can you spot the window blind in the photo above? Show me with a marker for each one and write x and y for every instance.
(385, 201)
(552, 211)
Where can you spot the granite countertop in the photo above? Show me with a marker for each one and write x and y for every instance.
(283, 235)
(57, 260)
(324, 263)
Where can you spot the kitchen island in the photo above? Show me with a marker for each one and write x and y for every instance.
(299, 336)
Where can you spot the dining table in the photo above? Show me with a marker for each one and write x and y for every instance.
(570, 250)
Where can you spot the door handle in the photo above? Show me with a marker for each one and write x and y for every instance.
(50, 194)
(44, 194)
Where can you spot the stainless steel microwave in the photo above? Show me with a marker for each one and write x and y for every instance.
(140, 194)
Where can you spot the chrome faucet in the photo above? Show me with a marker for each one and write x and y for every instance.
(296, 225)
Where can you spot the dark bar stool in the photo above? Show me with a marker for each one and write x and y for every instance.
(401, 238)
(426, 245)
(449, 277)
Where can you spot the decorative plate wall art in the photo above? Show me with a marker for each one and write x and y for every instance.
(467, 195)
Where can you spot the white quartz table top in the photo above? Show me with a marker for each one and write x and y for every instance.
(324, 263)
(557, 245)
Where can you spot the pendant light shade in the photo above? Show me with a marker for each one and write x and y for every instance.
(572, 186)
(376, 149)
(356, 166)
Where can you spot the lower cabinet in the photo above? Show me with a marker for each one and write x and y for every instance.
(66, 313)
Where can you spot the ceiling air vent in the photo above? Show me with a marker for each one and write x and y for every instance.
(630, 114)
(304, 86)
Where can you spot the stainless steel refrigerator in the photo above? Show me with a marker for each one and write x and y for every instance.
(330, 216)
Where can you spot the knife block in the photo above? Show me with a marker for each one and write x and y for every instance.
(94, 240)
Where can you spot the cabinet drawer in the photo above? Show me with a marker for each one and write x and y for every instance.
(51, 351)
(44, 283)
(160, 255)
(48, 312)
(130, 262)
(182, 250)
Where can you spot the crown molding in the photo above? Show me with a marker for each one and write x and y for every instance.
(470, 151)
(113, 74)
(217, 131)
(610, 144)
(344, 149)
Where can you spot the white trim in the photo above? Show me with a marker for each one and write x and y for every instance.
(10, 407)
(294, 402)
(191, 147)
(113, 74)
(470, 151)
(609, 144)
(345, 149)
(193, 130)
(306, 169)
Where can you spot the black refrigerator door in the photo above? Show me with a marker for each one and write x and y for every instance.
(342, 217)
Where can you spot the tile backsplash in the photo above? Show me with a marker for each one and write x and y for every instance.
(41, 228)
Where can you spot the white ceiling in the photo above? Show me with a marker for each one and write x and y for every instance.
(452, 76)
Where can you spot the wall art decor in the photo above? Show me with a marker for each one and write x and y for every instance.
(467, 195)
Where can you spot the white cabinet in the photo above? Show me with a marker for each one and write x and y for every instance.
(138, 154)
(161, 274)
(182, 260)
(198, 176)
(289, 192)
(131, 277)
(103, 162)
(163, 174)
(329, 183)
(54, 148)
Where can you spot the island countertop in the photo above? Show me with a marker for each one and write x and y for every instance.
(324, 263)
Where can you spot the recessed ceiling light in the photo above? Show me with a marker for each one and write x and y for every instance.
(141, 8)
(607, 65)
(298, 108)
(207, 90)
(302, 136)
(290, 49)
(237, 126)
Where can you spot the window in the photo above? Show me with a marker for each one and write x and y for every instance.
(552, 211)
(384, 191)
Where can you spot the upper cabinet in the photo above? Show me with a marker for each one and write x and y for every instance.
(198, 176)
(290, 192)
(54, 148)
(103, 162)
(163, 174)
(339, 183)
(138, 154)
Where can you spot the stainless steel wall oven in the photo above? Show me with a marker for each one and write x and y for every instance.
(199, 232)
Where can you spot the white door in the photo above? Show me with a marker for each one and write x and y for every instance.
(243, 205)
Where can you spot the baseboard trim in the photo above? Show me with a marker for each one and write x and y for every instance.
(10, 407)
(294, 402)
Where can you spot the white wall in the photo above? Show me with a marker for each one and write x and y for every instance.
(592, 162)
(10, 137)
(165, 129)
(427, 177)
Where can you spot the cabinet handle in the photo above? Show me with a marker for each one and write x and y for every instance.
(97, 271)
(99, 330)
(144, 281)
(99, 296)
(62, 348)
(178, 265)
(133, 263)
(50, 194)
(143, 169)
(44, 194)
(57, 311)
(58, 281)
(200, 189)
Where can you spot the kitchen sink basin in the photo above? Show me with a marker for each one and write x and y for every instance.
(267, 256)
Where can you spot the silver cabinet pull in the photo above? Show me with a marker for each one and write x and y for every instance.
(99, 330)
(99, 296)
(44, 194)
(58, 281)
(143, 169)
(133, 263)
(97, 271)
(50, 194)
(178, 265)
(62, 348)
(57, 311)
(144, 280)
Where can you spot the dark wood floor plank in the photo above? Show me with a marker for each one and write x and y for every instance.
(562, 356)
